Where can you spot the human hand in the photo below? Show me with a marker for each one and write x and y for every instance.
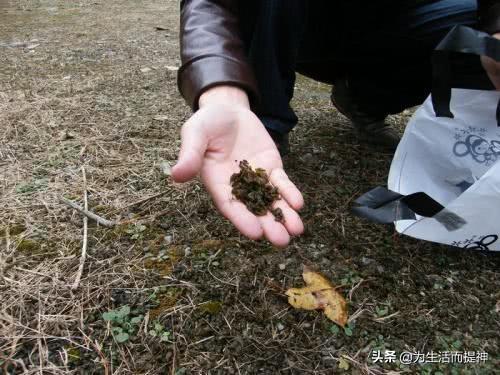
(492, 67)
(214, 140)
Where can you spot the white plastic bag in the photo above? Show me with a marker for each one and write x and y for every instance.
(444, 181)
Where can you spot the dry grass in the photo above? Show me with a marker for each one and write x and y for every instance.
(90, 85)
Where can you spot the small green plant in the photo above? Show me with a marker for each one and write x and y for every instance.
(383, 310)
(136, 231)
(450, 343)
(123, 323)
(334, 329)
(378, 343)
(348, 329)
(350, 279)
(159, 331)
(32, 186)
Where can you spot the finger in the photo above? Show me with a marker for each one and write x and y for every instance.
(292, 223)
(236, 212)
(287, 188)
(193, 147)
(274, 231)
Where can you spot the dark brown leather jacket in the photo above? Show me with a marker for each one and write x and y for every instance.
(212, 54)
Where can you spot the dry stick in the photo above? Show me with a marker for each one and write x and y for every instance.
(98, 349)
(83, 257)
(3, 261)
(144, 200)
(87, 213)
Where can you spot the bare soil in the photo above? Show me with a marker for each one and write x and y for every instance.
(90, 86)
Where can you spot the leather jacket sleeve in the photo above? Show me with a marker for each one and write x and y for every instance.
(489, 15)
(212, 52)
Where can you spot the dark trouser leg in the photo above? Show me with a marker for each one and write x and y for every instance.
(385, 55)
(271, 30)
(383, 47)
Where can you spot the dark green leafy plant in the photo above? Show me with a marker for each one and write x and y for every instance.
(123, 323)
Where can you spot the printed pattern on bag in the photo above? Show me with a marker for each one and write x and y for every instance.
(450, 220)
(471, 141)
(477, 242)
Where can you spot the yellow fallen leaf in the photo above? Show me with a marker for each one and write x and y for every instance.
(319, 294)
(343, 364)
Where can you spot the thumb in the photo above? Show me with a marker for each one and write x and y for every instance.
(193, 147)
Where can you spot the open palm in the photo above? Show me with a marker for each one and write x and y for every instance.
(214, 140)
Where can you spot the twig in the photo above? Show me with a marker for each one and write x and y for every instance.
(200, 341)
(83, 257)
(87, 213)
(174, 354)
(144, 200)
(384, 318)
(98, 349)
(351, 292)
(3, 262)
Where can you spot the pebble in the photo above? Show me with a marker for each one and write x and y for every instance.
(316, 254)
(187, 251)
(215, 263)
(282, 266)
(366, 261)
(330, 172)
(65, 134)
(308, 159)
(326, 262)
(168, 239)
(280, 327)
(165, 168)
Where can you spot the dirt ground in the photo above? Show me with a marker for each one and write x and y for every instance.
(88, 102)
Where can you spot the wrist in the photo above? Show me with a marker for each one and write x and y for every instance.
(224, 94)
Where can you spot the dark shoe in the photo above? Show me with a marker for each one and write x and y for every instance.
(281, 141)
(371, 129)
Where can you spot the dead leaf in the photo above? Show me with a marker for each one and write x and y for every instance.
(343, 364)
(319, 294)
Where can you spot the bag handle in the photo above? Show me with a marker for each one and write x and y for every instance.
(461, 39)
(385, 206)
